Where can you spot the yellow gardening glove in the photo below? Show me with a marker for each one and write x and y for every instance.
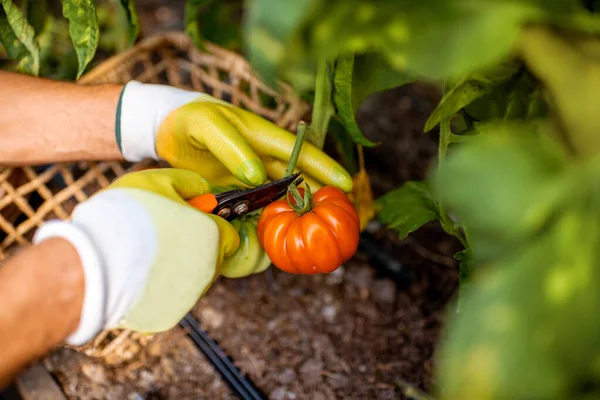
(147, 255)
(225, 144)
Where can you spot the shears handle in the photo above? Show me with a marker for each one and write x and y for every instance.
(206, 202)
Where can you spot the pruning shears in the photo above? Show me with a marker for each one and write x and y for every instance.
(235, 203)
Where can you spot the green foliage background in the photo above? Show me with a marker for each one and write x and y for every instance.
(518, 172)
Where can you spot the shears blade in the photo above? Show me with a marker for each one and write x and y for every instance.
(235, 203)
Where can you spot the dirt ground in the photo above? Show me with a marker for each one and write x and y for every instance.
(351, 334)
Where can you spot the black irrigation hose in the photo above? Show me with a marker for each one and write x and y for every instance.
(245, 389)
(382, 260)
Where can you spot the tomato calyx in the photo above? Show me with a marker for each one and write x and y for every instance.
(297, 203)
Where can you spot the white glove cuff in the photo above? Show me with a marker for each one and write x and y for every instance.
(94, 300)
(141, 110)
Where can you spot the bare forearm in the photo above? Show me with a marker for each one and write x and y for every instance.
(42, 295)
(45, 121)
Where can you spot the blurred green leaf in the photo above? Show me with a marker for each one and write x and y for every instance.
(524, 329)
(132, 19)
(407, 208)
(114, 28)
(18, 38)
(83, 28)
(473, 86)
(216, 21)
(342, 99)
(436, 39)
(36, 12)
(270, 28)
(193, 9)
(502, 186)
(568, 67)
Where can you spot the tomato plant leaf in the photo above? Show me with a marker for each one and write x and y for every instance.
(216, 21)
(502, 185)
(521, 97)
(193, 8)
(36, 12)
(471, 87)
(289, 36)
(572, 93)
(373, 73)
(344, 145)
(83, 28)
(132, 19)
(342, 99)
(407, 208)
(524, 330)
(269, 27)
(18, 38)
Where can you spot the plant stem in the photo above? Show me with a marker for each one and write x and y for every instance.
(447, 137)
(322, 108)
(300, 132)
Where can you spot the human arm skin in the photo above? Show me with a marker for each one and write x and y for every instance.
(42, 294)
(47, 121)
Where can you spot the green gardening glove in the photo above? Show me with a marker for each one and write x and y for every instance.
(224, 143)
(147, 255)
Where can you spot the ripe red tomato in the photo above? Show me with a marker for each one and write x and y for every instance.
(318, 241)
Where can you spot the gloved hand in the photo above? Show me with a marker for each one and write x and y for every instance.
(147, 255)
(225, 144)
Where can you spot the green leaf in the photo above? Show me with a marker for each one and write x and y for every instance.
(469, 88)
(524, 329)
(371, 74)
(355, 78)
(215, 21)
(572, 82)
(193, 10)
(36, 12)
(344, 145)
(83, 28)
(270, 26)
(342, 99)
(521, 97)
(449, 43)
(132, 19)
(407, 208)
(440, 39)
(18, 38)
(503, 186)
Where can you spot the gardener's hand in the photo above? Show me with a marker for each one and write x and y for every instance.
(223, 143)
(147, 255)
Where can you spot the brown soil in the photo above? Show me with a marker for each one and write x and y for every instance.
(351, 334)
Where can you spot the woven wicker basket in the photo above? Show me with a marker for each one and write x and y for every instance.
(30, 195)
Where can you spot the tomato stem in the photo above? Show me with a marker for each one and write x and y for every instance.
(302, 205)
(301, 131)
(322, 108)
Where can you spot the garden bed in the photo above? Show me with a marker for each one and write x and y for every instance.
(351, 334)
